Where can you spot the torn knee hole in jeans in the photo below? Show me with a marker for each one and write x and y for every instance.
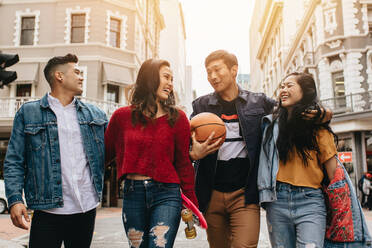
(159, 232)
(310, 245)
(135, 237)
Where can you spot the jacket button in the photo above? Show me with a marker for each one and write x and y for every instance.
(57, 160)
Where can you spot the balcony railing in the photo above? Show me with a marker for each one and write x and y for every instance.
(9, 106)
(349, 103)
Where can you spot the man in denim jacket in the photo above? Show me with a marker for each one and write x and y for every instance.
(56, 156)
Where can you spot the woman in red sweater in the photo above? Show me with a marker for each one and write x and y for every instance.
(150, 140)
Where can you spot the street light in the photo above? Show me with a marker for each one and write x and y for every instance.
(6, 60)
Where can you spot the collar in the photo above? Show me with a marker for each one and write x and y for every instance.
(44, 102)
(56, 102)
(213, 100)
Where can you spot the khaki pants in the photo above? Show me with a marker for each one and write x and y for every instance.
(231, 224)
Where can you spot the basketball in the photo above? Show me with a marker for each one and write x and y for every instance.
(204, 124)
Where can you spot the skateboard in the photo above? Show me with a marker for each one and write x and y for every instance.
(191, 216)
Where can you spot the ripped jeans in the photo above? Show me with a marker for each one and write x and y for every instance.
(151, 213)
(297, 219)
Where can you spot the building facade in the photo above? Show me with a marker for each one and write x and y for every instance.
(243, 80)
(173, 49)
(332, 40)
(111, 38)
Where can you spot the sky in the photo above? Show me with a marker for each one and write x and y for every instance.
(212, 25)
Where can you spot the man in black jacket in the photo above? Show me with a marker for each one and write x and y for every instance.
(226, 181)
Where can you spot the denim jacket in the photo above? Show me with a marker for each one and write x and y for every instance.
(268, 164)
(266, 183)
(33, 162)
(250, 107)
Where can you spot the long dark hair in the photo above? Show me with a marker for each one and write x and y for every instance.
(143, 97)
(295, 131)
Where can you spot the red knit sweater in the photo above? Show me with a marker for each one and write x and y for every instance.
(158, 150)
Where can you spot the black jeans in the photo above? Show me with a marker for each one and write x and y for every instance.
(49, 230)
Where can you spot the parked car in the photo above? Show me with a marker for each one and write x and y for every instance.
(3, 202)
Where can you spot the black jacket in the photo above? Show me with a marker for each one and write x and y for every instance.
(251, 107)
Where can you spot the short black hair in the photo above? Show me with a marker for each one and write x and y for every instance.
(56, 61)
(228, 58)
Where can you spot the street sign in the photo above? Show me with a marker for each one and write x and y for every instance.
(345, 157)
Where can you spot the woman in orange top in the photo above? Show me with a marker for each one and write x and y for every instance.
(300, 151)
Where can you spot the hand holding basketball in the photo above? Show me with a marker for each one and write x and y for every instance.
(204, 124)
(200, 150)
(208, 134)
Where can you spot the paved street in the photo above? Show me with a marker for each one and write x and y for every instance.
(109, 232)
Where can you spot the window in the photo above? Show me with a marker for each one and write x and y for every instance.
(112, 93)
(27, 30)
(26, 27)
(369, 13)
(77, 28)
(23, 90)
(115, 26)
(339, 89)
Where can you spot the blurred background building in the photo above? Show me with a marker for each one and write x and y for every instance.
(111, 38)
(173, 49)
(330, 39)
(243, 81)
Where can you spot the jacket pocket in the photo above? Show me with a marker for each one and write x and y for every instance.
(98, 128)
(35, 136)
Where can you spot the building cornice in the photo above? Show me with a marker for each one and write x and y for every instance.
(300, 32)
(265, 16)
(121, 3)
(58, 45)
(160, 17)
(365, 1)
(8, 2)
(182, 20)
(273, 13)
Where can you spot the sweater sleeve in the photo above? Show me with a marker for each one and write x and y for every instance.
(110, 137)
(182, 161)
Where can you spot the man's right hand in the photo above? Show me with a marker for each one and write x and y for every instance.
(200, 150)
(16, 212)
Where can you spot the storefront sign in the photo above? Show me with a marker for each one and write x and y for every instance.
(345, 157)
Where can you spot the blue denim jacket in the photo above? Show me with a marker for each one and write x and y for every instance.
(33, 162)
(266, 182)
(268, 165)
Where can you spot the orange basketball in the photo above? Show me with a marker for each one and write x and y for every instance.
(204, 124)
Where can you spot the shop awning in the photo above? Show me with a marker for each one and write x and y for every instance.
(26, 72)
(114, 74)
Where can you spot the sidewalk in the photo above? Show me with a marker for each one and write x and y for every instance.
(109, 232)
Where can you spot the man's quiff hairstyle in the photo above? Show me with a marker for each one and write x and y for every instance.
(228, 58)
(54, 62)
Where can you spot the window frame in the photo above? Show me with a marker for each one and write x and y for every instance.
(118, 32)
(123, 28)
(77, 27)
(68, 24)
(18, 26)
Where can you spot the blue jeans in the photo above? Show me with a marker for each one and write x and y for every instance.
(297, 218)
(330, 244)
(151, 213)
